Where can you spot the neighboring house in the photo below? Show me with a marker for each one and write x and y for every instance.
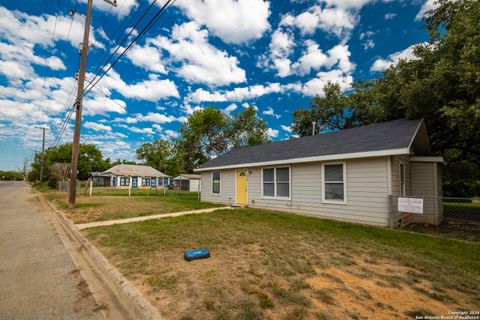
(354, 175)
(100, 179)
(188, 182)
(139, 176)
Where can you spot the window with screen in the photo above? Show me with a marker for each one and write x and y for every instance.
(334, 182)
(216, 182)
(276, 182)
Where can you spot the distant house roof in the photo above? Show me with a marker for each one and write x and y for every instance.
(135, 171)
(188, 176)
(386, 138)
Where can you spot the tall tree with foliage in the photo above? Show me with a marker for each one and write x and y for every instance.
(90, 159)
(205, 132)
(161, 155)
(247, 129)
(441, 85)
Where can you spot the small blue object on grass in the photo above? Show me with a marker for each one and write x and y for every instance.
(201, 253)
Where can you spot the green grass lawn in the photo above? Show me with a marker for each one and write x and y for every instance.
(106, 206)
(270, 265)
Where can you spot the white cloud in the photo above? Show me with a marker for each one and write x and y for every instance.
(426, 7)
(394, 58)
(271, 112)
(315, 86)
(234, 21)
(126, 120)
(232, 107)
(272, 133)
(339, 21)
(198, 60)
(286, 128)
(314, 59)
(172, 134)
(153, 89)
(236, 94)
(390, 16)
(97, 126)
(147, 57)
(281, 47)
(17, 26)
(123, 8)
(156, 117)
(138, 130)
(103, 105)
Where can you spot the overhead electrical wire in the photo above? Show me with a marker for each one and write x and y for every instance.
(93, 84)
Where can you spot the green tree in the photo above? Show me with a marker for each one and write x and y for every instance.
(205, 132)
(161, 155)
(247, 129)
(441, 85)
(90, 159)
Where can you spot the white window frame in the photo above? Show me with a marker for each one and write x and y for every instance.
(275, 197)
(332, 201)
(402, 189)
(220, 181)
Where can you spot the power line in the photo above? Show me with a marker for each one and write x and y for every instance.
(124, 40)
(157, 16)
(146, 28)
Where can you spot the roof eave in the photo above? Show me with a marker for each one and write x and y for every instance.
(367, 154)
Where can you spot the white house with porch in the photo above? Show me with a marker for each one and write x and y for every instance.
(139, 176)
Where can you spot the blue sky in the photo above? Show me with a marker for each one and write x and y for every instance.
(273, 55)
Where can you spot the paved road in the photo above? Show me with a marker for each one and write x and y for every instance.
(37, 276)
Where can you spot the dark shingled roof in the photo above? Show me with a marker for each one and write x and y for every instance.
(394, 134)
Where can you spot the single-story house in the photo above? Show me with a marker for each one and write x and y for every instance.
(100, 179)
(140, 176)
(188, 182)
(355, 175)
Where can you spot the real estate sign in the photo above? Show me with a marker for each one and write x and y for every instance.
(411, 205)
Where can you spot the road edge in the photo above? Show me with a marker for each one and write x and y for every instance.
(120, 296)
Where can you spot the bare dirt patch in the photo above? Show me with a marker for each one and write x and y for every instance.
(266, 265)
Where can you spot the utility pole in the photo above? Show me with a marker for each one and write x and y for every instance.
(78, 104)
(42, 162)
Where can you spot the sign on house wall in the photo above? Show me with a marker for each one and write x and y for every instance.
(410, 205)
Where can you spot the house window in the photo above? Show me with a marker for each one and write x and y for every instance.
(402, 179)
(145, 182)
(216, 182)
(269, 182)
(276, 182)
(334, 182)
(124, 181)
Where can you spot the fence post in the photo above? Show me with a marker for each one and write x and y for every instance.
(91, 186)
(130, 187)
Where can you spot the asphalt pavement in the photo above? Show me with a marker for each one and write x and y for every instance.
(38, 279)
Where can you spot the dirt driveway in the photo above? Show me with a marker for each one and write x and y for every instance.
(37, 276)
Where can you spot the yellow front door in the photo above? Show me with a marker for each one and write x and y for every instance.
(242, 187)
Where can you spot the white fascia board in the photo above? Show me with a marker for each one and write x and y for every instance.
(427, 159)
(331, 157)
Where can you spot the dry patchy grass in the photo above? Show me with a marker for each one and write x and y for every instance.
(268, 265)
(111, 207)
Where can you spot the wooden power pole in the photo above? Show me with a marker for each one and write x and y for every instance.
(78, 105)
(42, 161)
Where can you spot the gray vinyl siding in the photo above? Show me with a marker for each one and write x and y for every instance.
(367, 191)
(227, 187)
(424, 185)
(404, 218)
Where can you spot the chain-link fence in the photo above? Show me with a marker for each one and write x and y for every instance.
(142, 191)
(459, 217)
(64, 186)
